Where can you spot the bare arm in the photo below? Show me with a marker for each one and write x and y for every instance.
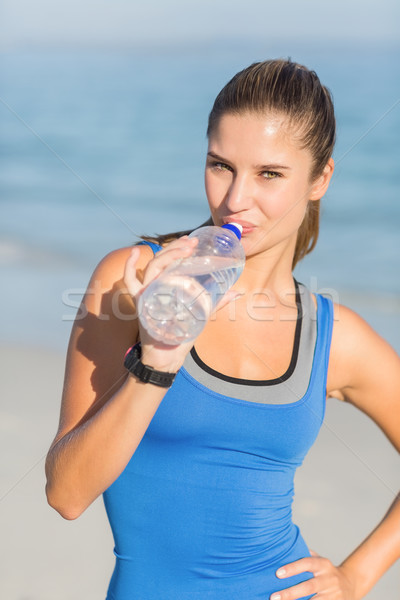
(105, 412)
(366, 369)
(363, 370)
(377, 553)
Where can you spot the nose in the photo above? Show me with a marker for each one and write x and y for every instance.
(239, 194)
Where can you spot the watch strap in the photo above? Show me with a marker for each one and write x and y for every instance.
(145, 373)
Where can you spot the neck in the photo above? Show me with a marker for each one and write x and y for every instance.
(269, 270)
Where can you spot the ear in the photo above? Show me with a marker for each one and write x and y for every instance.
(321, 184)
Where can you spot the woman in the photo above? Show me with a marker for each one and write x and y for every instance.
(198, 478)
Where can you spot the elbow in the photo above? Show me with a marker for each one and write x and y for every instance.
(67, 513)
(59, 496)
(67, 510)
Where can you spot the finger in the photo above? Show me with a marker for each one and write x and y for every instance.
(313, 553)
(317, 565)
(296, 592)
(185, 240)
(309, 563)
(132, 283)
(165, 258)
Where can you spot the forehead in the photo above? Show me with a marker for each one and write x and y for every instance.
(256, 136)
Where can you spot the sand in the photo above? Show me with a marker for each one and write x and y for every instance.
(343, 489)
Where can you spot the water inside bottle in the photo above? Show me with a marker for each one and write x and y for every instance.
(181, 301)
(177, 309)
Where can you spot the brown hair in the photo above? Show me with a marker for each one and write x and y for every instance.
(290, 89)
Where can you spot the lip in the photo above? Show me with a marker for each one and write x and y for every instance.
(246, 225)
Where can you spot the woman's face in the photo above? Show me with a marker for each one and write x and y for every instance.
(257, 176)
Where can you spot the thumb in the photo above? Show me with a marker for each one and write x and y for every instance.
(131, 281)
(313, 553)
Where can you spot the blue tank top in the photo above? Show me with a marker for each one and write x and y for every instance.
(203, 509)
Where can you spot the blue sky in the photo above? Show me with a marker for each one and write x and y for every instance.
(161, 22)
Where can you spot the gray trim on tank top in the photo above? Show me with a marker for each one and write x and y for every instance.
(286, 389)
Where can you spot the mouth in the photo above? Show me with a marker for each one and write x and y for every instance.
(246, 225)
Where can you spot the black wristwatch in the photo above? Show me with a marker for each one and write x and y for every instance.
(143, 372)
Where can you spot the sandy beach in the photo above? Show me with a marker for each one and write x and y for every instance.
(103, 123)
(345, 486)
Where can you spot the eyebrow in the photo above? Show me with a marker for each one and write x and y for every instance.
(268, 167)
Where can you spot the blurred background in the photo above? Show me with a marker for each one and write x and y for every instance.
(103, 113)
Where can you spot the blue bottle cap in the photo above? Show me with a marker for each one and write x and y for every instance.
(235, 227)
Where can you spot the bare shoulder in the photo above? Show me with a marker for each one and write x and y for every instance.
(364, 370)
(104, 328)
(350, 329)
(119, 257)
(357, 349)
(111, 268)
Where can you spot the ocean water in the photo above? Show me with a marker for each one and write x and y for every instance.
(99, 147)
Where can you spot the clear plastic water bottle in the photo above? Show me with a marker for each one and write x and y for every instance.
(175, 307)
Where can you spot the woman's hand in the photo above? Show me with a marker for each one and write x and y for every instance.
(164, 357)
(329, 582)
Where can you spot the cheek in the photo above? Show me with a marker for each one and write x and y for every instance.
(215, 190)
(286, 211)
(290, 200)
(281, 209)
